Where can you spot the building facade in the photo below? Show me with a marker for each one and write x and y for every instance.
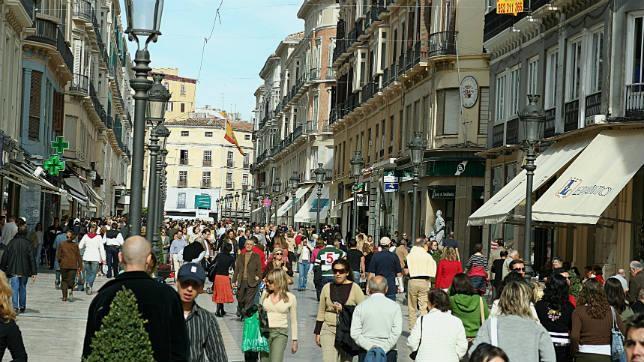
(403, 68)
(584, 60)
(292, 114)
(202, 166)
(183, 90)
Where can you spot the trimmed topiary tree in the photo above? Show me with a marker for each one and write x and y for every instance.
(122, 336)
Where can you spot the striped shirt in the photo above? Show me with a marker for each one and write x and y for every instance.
(204, 336)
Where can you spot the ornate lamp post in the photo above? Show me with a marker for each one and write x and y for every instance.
(144, 20)
(221, 208)
(277, 187)
(243, 197)
(229, 205)
(416, 153)
(155, 210)
(357, 163)
(320, 174)
(260, 199)
(158, 98)
(236, 208)
(294, 182)
(533, 118)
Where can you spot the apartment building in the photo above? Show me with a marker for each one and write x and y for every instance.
(203, 168)
(584, 59)
(404, 67)
(183, 91)
(292, 133)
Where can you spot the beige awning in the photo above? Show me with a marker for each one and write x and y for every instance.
(594, 179)
(288, 205)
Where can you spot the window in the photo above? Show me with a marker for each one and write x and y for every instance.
(229, 159)
(507, 95)
(183, 89)
(246, 161)
(183, 107)
(382, 54)
(229, 180)
(181, 200)
(449, 111)
(514, 92)
(183, 178)
(185, 133)
(207, 158)
(208, 134)
(247, 137)
(360, 70)
(596, 60)
(183, 157)
(636, 60)
(499, 105)
(552, 65)
(533, 75)
(33, 131)
(245, 180)
(573, 70)
(205, 179)
(169, 106)
(484, 109)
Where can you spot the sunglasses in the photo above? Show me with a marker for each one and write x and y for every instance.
(278, 253)
(339, 271)
(519, 269)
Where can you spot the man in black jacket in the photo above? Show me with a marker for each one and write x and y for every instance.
(158, 303)
(19, 264)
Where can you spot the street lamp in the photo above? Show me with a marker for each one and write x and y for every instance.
(144, 20)
(320, 174)
(158, 97)
(533, 118)
(416, 153)
(155, 213)
(294, 182)
(236, 208)
(277, 187)
(229, 205)
(243, 197)
(357, 163)
(260, 198)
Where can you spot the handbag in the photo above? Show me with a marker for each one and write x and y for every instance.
(617, 353)
(263, 317)
(252, 339)
(343, 340)
(415, 353)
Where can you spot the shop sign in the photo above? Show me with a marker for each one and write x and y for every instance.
(390, 182)
(202, 201)
(509, 7)
(202, 214)
(443, 193)
(362, 199)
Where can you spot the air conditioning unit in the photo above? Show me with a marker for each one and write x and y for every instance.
(596, 119)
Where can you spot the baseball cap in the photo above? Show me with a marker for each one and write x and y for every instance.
(622, 280)
(192, 271)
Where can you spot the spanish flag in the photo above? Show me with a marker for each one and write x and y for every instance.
(230, 137)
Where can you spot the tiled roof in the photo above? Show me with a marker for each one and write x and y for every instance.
(210, 122)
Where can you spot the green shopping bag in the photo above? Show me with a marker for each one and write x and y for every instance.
(252, 339)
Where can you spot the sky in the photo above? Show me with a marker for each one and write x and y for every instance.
(248, 33)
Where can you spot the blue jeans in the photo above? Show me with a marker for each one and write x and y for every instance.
(303, 269)
(91, 268)
(19, 289)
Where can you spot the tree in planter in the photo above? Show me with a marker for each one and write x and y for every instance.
(122, 336)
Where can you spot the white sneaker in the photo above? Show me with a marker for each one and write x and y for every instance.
(70, 296)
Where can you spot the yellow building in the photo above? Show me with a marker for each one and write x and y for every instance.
(183, 92)
(201, 162)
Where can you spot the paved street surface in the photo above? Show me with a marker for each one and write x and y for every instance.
(54, 331)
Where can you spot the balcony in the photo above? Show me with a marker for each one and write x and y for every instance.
(229, 163)
(207, 163)
(47, 32)
(512, 132)
(79, 84)
(183, 161)
(99, 40)
(549, 126)
(182, 183)
(313, 127)
(98, 107)
(230, 185)
(496, 23)
(83, 10)
(390, 75)
(497, 135)
(635, 101)
(246, 165)
(205, 184)
(593, 104)
(442, 43)
(571, 115)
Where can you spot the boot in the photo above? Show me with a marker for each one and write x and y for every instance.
(218, 312)
(223, 312)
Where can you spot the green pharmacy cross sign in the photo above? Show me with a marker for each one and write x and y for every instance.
(54, 165)
(60, 145)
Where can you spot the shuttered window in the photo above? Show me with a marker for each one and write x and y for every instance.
(59, 113)
(33, 131)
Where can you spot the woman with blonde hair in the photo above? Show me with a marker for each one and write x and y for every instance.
(447, 268)
(514, 330)
(281, 307)
(10, 336)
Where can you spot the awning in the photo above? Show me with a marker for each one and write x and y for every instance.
(593, 181)
(498, 208)
(299, 194)
(256, 210)
(307, 213)
(76, 190)
(27, 174)
(91, 193)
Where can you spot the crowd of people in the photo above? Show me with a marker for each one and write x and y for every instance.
(484, 308)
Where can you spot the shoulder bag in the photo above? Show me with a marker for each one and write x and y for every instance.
(617, 353)
(415, 353)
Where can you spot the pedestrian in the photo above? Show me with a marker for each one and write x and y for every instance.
(438, 336)
(204, 336)
(356, 260)
(10, 335)
(113, 242)
(514, 330)
(36, 238)
(304, 262)
(634, 343)
(517, 266)
(497, 246)
(70, 262)
(377, 322)
(496, 269)
(451, 242)
(19, 264)
(279, 261)
(387, 264)
(616, 297)
(342, 291)
(638, 307)
(281, 308)
(486, 352)
(435, 251)
(512, 255)
(447, 268)
(158, 304)
(420, 267)
(636, 282)
(467, 305)
(176, 251)
(222, 290)
(325, 259)
(59, 239)
(93, 255)
(259, 250)
(555, 314)
(592, 322)
(476, 267)
(125, 227)
(248, 273)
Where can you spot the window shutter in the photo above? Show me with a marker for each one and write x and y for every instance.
(59, 113)
(33, 131)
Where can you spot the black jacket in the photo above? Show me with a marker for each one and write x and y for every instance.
(19, 259)
(10, 337)
(158, 303)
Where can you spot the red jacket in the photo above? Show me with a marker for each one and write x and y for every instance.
(446, 271)
(262, 256)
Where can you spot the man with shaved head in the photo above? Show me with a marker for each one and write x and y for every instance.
(158, 303)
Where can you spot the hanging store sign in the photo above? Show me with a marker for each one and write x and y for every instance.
(362, 200)
(202, 201)
(509, 7)
(443, 192)
(390, 182)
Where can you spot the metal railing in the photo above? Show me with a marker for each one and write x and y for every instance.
(83, 10)
(49, 33)
(79, 84)
(182, 183)
(230, 185)
(497, 135)
(571, 115)
(183, 161)
(207, 163)
(229, 163)
(549, 124)
(205, 184)
(634, 102)
(442, 43)
(593, 104)
(512, 132)
(98, 107)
